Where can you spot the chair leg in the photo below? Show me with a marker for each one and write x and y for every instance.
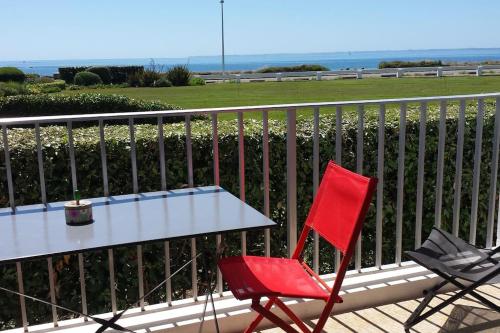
(259, 317)
(272, 317)
(292, 316)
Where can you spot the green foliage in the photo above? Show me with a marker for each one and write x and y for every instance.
(300, 68)
(87, 79)
(197, 81)
(149, 77)
(179, 75)
(163, 82)
(68, 73)
(87, 153)
(50, 105)
(11, 74)
(12, 89)
(405, 64)
(52, 86)
(103, 72)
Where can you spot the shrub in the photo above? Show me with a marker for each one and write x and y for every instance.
(68, 73)
(51, 105)
(32, 78)
(87, 153)
(45, 88)
(87, 79)
(197, 81)
(121, 74)
(12, 89)
(135, 79)
(149, 77)
(179, 75)
(406, 64)
(163, 82)
(11, 74)
(103, 72)
(300, 68)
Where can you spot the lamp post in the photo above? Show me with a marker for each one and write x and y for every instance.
(222, 19)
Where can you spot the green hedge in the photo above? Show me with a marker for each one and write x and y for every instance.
(51, 105)
(87, 79)
(58, 183)
(119, 74)
(299, 68)
(13, 74)
(405, 64)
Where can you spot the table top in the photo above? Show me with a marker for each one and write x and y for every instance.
(37, 231)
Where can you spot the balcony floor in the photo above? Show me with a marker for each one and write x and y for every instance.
(465, 315)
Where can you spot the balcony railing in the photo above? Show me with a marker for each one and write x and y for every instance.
(358, 108)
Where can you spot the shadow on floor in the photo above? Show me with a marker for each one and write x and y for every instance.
(469, 319)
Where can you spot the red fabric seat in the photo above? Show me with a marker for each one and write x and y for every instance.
(250, 277)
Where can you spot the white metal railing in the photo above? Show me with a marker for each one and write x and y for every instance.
(438, 71)
(291, 111)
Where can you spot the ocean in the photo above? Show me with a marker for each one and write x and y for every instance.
(332, 60)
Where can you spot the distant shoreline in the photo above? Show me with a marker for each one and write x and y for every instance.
(332, 60)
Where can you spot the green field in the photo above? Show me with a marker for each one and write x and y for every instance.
(262, 93)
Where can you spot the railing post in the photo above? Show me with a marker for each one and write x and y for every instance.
(318, 76)
(493, 179)
(238, 78)
(439, 72)
(479, 71)
(399, 73)
(291, 176)
(359, 74)
(278, 77)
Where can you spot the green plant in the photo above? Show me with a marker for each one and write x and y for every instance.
(179, 75)
(406, 64)
(103, 72)
(50, 105)
(68, 73)
(135, 79)
(87, 79)
(11, 74)
(149, 77)
(300, 68)
(163, 82)
(12, 89)
(197, 81)
(120, 74)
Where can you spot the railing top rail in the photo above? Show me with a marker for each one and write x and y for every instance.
(253, 108)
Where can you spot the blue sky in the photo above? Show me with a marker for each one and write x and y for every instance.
(79, 29)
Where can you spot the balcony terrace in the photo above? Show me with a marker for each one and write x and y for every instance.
(436, 159)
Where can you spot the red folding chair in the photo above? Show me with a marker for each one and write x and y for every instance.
(337, 215)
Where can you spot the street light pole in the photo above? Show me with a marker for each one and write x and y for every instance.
(222, 17)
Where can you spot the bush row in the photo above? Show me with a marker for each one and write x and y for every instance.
(300, 68)
(405, 64)
(58, 183)
(118, 74)
(13, 74)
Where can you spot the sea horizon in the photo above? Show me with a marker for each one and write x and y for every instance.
(235, 62)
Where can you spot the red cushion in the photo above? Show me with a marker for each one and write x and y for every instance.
(254, 277)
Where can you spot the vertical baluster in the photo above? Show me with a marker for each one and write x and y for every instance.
(359, 169)
(133, 155)
(189, 156)
(316, 184)
(440, 164)
(168, 285)
(291, 174)
(104, 165)
(52, 289)
(161, 149)
(420, 174)
(71, 147)
(112, 283)
(458, 168)
(8, 168)
(83, 291)
(265, 167)
(493, 179)
(22, 301)
(338, 159)
(41, 172)
(215, 147)
(380, 186)
(140, 274)
(476, 171)
(400, 182)
(241, 164)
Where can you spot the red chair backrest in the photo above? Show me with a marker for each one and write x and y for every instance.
(340, 206)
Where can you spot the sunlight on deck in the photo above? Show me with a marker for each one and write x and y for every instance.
(465, 315)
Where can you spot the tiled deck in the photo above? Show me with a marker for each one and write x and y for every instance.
(464, 316)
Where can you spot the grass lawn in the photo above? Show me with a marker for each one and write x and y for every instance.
(261, 93)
